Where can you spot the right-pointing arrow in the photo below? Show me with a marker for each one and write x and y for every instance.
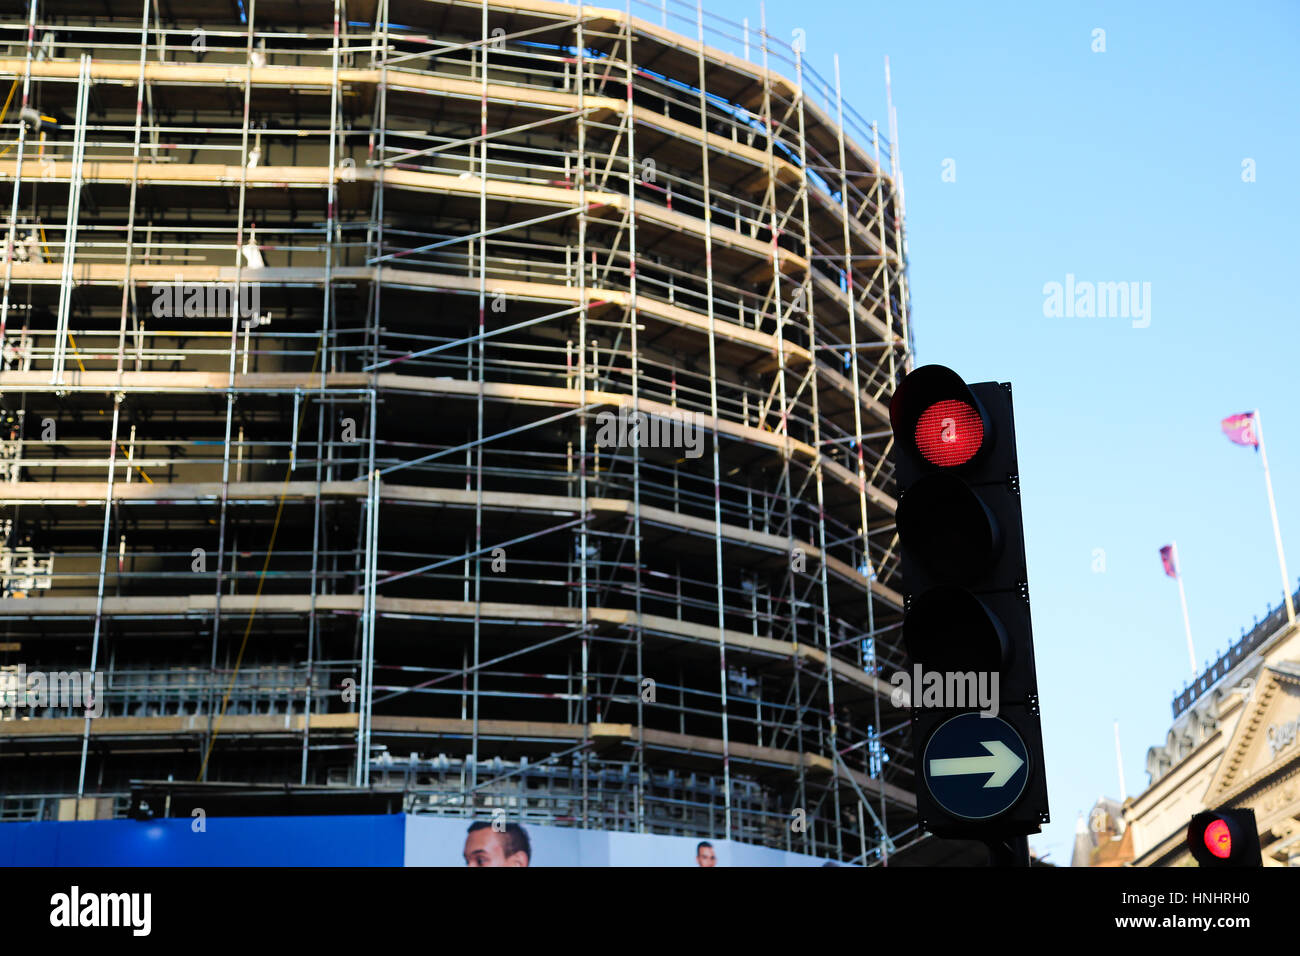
(1001, 763)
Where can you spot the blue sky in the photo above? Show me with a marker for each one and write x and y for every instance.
(1117, 166)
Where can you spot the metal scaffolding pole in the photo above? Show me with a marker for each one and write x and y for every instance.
(128, 287)
(99, 590)
(857, 412)
(806, 291)
(73, 223)
(230, 384)
(634, 328)
(479, 375)
(580, 77)
(778, 304)
(12, 233)
(713, 412)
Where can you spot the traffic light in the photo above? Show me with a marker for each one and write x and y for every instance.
(1224, 838)
(966, 626)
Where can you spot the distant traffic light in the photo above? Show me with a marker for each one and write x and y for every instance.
(967, 606)
(1224, 838)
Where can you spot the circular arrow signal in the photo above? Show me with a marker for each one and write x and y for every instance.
(975, 767)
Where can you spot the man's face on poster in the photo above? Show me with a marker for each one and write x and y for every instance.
(487, 847)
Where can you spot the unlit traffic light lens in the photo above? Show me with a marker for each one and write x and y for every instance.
(1218, 839)
(949, 629)
(946, 527)
(949, 433)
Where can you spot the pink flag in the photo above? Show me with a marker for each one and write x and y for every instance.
(1241, 429)
(1167, 559)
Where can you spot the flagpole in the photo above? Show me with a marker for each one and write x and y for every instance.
(1277, 532)
(1182, 599)
(1119, 760)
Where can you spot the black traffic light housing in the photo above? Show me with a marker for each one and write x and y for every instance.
(964, 580)
(1225, 839)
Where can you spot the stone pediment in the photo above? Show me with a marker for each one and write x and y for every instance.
(1266, 736)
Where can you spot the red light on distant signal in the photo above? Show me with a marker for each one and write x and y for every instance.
(949, 433)
(1218, 839)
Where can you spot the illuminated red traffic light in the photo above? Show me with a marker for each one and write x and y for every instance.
(949, 433)
(1218, 839)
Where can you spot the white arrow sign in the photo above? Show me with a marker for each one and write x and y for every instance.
(1001, 763)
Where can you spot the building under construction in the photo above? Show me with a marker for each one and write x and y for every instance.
(482, 400)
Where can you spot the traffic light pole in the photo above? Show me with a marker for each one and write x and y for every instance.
(1008, 852)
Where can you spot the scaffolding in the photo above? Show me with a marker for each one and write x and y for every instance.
(314, 320)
